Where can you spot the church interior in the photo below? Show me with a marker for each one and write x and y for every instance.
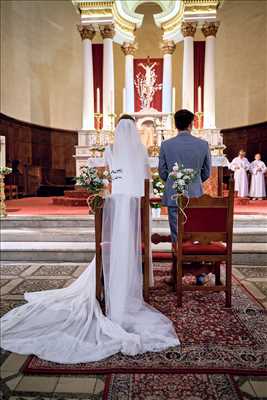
(69, 70)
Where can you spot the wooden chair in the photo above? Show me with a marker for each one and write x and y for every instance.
(145, 216)
(210, 224)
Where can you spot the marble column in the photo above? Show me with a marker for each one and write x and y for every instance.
(168, 48)
(129, 50)
(209, 30)
(107, 33)
(188, 30)
(87, 33)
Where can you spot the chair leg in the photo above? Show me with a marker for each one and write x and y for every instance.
(228, 292)
(217, 273)
(145, 282)
(174, 274)
(179, 287)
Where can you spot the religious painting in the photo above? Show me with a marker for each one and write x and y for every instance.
(148, 76)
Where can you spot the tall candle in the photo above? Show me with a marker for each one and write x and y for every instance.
(173, 100)
(111, 102)
(124, 100)
(98, 100)
(199, 102)
(2, 151)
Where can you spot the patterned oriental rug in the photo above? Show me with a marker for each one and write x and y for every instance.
(170, 387)
(214, 340)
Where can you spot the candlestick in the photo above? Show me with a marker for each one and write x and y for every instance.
(199, 100)
(112, 117)
(199, 116)
(98, 101)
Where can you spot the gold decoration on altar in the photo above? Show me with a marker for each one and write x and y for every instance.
(3, 171)
(107, 31)
(168, 47)
(3, 212)
(199, 115)
(210, 28)
(86, 31)
(112, 117)
(188, 28)
(97, 148)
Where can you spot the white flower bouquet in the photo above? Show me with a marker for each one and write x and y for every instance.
(96, 182)
(182, 177)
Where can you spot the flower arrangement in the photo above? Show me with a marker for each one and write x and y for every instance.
(92, 180)
(182, 178)
(96, 182)
(158, 188)
(5, 170)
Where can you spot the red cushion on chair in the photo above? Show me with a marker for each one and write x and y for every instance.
(160, 255)
(198, 248)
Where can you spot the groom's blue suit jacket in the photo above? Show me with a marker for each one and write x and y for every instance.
(190, 151)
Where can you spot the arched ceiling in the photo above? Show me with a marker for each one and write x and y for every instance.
(122, 14)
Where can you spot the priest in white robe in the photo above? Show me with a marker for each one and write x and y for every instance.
(257, 185)
(240, 165)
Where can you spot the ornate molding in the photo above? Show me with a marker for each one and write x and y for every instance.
(189, 28)
(129, 48)
(86, 31)
(107, 31)
(202, 6)
(210, 28)
(168, 47)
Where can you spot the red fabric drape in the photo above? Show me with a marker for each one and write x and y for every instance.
(157, 100)
(199, 63)
(98, 74)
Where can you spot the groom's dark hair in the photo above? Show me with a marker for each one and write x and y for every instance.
(183, 118)
(126, 116)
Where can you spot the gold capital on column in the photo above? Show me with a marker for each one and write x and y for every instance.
(168, 47)
(210, 28)
(86, 31)
(129, 48)
(188, 28)
(107, 31)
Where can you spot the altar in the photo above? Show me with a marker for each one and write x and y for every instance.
(150, 98)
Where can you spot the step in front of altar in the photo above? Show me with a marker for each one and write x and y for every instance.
(72, 198)
(243, 253)
(71, 238)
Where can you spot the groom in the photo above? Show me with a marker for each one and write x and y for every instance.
(187, 150)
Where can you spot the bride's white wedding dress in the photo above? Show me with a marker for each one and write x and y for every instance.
(67, 325)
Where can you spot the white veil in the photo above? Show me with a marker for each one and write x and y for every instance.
(129, 156)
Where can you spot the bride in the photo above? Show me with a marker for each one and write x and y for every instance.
(67, 325)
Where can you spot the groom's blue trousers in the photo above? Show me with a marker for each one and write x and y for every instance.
(172, 215)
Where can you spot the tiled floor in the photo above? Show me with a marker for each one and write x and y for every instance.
(16, 278)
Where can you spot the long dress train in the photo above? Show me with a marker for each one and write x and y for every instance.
(68, 326)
